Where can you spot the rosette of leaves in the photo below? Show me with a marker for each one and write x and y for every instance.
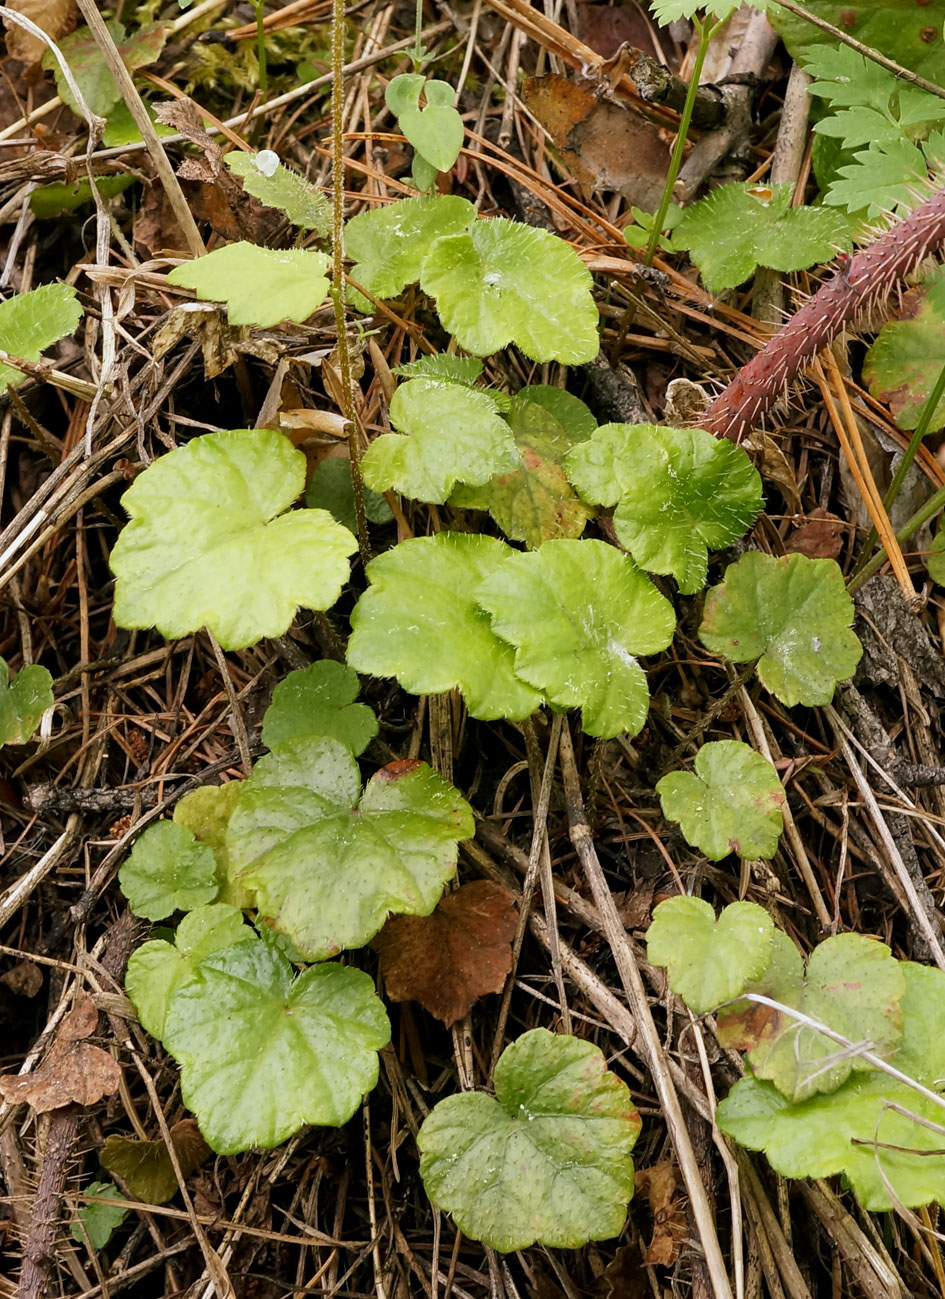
(678, 493)
(534, 502)
(260, 286)
(709, 961)
(23, 701)
(209, 544)
(31, 322)
(447, 433)
(263, 1051)
(578, 613)
(419, 621)
(547, 1159)
(793, 615)
(328, 863)
(883, 1135)
(730, 802)
(851, 984)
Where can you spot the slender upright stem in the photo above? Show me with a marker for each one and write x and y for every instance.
(913, 524)
(337, 272)
(261, 48)
(675, 162)
(921, 428)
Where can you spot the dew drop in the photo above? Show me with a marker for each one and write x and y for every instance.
(267, 161)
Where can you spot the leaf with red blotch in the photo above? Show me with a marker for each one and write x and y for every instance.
(449, 959)
(74, 1072)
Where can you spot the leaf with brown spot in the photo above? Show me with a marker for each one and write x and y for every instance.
(449, 959)
(670, 1227)
(74, 1072)
(145, 1166)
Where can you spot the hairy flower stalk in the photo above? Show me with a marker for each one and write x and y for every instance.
(859, 284)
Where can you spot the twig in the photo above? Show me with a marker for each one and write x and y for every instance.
(175, 195)
(640, 1008)
(931, 932)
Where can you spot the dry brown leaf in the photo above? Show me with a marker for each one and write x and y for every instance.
(821, 537)
(607, 145)
(450, 959)
(25, 979)
(145, 1166)
(625, 1277)
(54, 17)
(74, 1071)
(670, 1227)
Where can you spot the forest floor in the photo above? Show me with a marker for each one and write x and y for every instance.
(140, 721)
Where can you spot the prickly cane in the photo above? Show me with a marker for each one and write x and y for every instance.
(859, 283)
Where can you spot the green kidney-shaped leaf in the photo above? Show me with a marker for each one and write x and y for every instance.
(206, 813)
(793, 615)
(388, 244)
(319, 700)
(418, 621)
(860, 1130)
(852, 984)
(740, 227)
(167, 871)
(158, 969)
(935, 560)
(436, 131)
(260, 286)
(283, 189)
(578, 612)
(89, 70)
(23, 701)
(448, 433)
(534, 502)
(906, 359)
(327, 868)
(205, 547)
(263, 1053)
(709, 961)
(730, 802)
(503, 282)
(31, 322)
(99, 1221)
(678, 492)
(548, 1160)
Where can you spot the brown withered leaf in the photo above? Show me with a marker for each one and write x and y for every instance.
(625, 1277)
(145, 1166)
(607, 145)
(450, 959)
(54, 17)
(25, 979)
(670, 1228)
(74, 1071)
(821, 537)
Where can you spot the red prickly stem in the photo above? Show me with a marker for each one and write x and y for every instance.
(860, 282)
